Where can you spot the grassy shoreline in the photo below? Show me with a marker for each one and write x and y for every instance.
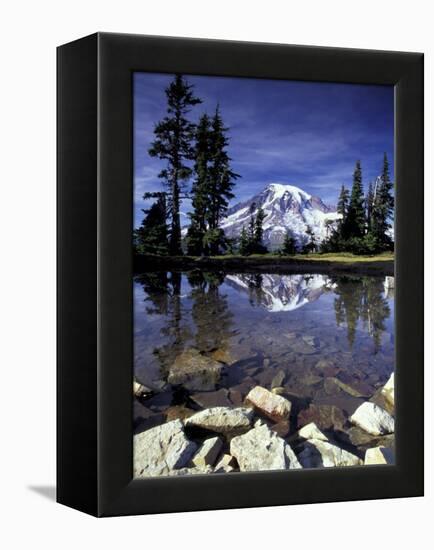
(381, 264)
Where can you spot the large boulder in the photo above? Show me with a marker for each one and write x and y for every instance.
(195, 371)
(380, 455)
(273, 406)
(323, 454)
(389, 390)
(262, 449)
(373, 419)
(222, 420)
(162, 449)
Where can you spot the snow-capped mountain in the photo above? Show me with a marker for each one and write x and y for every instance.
(282, 292)
(287, 209)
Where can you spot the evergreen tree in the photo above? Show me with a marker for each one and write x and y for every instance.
(356, 212)
(173, 136)
(383, 208)
(342, 209)
(244, 242)
(258, 233)
(151, 237)
(310, 245)
(199, 191)
(289, 244)
(221, 177)
(369, 202)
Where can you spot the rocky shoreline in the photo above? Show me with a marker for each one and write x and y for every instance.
(259, 434)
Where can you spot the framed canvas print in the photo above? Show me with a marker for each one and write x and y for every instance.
(240, 274)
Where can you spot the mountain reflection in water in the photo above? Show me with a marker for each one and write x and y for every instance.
(269, 321)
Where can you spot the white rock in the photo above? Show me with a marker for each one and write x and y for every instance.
(222, 420)
(311, 431)
(139, 389)
(208, 452)
(373, 419)
(379, 455)
(389, 390)
(225, 464)
(274, 406)
(317, 454)
(262, 449)
(162, 449)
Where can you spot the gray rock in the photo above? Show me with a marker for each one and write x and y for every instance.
(278, 380)
(162, 449)
(322, 454)
(380, 455)
(226, 464)
(262, 449)
(311, 431)
(195, 371)
(389, 390)
(273, 406)
(222, 420)
(208, 452)
(373, 419)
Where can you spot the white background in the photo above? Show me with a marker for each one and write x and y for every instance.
(30, 31)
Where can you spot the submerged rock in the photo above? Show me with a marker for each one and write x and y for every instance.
(162, 449)
(195, 371)
(139, 389)
(326, 417)
(178, 411)
(262, 449)
(273, 406)
(380, 455)
(318, 454)
(222, 420)
(212, 398)
(373, 419)
(208, 452)
(332, 382)
(278, 379)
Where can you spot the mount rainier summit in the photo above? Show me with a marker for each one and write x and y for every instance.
(287, 209)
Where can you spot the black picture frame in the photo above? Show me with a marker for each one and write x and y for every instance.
(95, 206)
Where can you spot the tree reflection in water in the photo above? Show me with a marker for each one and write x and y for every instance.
(361, 298)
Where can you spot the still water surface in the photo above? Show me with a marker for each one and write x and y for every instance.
(294, 331)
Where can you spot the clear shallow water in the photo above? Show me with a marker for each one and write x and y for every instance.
(296, 331)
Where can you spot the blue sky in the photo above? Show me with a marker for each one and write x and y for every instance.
(307, 134)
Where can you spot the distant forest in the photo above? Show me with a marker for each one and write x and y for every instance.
(197, 166)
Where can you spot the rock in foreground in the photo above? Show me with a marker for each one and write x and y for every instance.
(222, 420)
(273, 406)
(318, 454)
(208, 452)
(380, 455)
(373, 419)
(162, 449)
(311, 431)
(389, 390)
(262, 449)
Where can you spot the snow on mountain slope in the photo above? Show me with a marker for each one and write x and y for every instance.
(287, 208)
(282, 292)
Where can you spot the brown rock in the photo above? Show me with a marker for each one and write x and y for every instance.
(326, 417)
(273, 406)
(212, 399)
(281, 428)
(195, 371)
(178, 411)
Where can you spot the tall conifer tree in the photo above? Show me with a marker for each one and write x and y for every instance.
(356, 210)
(172, 143)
